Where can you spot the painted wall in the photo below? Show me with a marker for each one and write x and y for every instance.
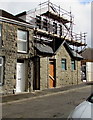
(89, 71)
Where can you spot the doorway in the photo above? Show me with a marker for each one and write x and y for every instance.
(36, 81)
(20, 76)
(52, 73)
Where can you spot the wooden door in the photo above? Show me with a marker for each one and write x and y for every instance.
(51, 74)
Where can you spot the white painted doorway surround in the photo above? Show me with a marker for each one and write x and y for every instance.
(20, 77)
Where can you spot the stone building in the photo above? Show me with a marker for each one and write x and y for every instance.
(61, 69)
(35, 51)
(16, 53)
(87, 65)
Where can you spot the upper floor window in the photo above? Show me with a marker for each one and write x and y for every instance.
(38, 21)
(45, 22)
(1, 70)
(73, 65)
(0, 36)
(60, 30)
(54, 28)
(22, 41)
(63, 64)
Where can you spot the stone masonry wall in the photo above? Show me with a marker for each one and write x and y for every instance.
(66, 77)
(44, 61)
(8, 52)
(63, 77)
(10, 55)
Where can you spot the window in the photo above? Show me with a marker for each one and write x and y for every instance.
(0, 37)
(73, 65)
(60, 30)
(38, 21)
(54, 28)
(45, 24)
(63, 64)
(22, 41)
(1, 70)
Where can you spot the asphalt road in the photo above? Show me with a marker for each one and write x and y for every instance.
(50, 106)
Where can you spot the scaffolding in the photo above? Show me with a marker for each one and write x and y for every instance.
(52, 23)
(53, 26)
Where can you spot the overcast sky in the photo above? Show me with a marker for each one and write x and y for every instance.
(81, 9)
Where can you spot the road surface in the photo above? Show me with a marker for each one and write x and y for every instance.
(57, 105)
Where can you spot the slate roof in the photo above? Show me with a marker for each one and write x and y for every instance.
(76, 55)
(5, 14)
(45, 49)
(72, 53)
(88, 54)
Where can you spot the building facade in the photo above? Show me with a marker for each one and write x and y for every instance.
(16, 54)
(87, 65)
(36, 54)
(61, 69)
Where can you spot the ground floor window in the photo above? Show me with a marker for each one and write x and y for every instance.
(73, 64)
(63, 64)
(1, 70)
(0, 36)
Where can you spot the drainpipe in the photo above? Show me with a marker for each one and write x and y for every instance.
(14, 89)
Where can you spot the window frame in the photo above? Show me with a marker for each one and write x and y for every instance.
(38, 21)
(22, 41)
(45, 24)
(73, 62)
(54, 28)
(1, 35)
(60, 29)
(64, 62)
(2, 72)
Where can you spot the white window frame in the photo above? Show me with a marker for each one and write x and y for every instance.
(1, 65)
(21, 40)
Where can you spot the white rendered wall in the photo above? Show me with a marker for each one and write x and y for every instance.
(89, 71)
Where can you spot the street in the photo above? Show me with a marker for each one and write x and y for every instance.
(51, 106)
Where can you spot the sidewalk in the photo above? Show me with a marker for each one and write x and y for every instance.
(15, 97)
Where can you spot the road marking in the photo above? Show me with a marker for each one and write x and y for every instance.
(49, 94)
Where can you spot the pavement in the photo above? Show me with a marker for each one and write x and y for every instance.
(35, 94)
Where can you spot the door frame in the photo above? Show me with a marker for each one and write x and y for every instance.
(36, 73)
(54, 63)
(20, 61)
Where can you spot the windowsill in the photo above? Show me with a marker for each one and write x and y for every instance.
(64, 70)
(73, 70)
(23, 52)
